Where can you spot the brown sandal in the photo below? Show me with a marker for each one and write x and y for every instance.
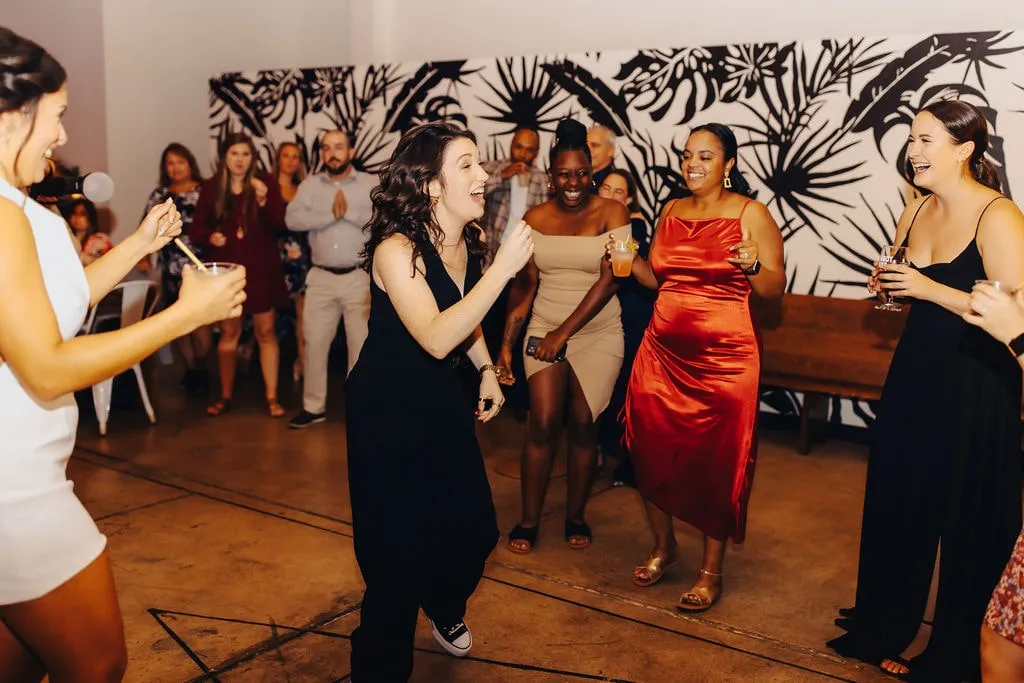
(219, 408)
(699, 598)
(274, 408)
(654, 568)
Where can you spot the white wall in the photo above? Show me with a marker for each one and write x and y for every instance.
(451, 29)
(73, 33)
(159, 57)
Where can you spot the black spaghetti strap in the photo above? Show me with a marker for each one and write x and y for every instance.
(914, 220)
(982, 215)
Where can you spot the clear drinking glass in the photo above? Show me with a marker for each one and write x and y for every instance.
(214, 268)
(622, 254)
(895, 255)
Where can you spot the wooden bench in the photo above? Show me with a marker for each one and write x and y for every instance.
(825, 346)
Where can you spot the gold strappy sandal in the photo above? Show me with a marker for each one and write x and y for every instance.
(700, 598)
(654, 568)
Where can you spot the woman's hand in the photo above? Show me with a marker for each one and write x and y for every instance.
(900, 279)
(612, 241)
(160, 226)
(998, 313)
(515, 251)
(490, 391)
(746, 251)
(211, 298)
(550, 345)
(260, 188)
(874, 286)
(504, 371)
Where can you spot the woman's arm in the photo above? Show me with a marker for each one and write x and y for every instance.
(439, 333)
(202, 226)
(271, 212)
(520, 300)
(30, 339)
(642, 270)
(157, 228)
(759, 227)
(106, 271)
(1001, 243)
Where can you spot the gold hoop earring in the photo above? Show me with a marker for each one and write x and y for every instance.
(727, 183)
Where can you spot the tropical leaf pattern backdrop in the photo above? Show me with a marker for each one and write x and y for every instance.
(822, 125)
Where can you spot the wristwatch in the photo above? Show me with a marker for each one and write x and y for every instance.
(754, 269)
(1017, 345)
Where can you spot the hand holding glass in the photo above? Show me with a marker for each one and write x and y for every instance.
(897, 256)
(622, 253)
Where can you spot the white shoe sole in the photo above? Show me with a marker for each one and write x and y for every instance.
(448, 647)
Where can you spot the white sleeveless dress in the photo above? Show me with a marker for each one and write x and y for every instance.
(46, 535)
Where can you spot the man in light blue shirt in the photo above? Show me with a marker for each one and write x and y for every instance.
(332, 207)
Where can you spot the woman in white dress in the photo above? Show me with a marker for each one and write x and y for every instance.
(59, 614)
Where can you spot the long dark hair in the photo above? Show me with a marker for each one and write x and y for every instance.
(730, 147)
(27, 72)
(225, 200)
(178, 149)
(401, 204)
(627, 177)
(965, 123)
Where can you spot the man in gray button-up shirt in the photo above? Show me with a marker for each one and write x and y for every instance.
(332, 207)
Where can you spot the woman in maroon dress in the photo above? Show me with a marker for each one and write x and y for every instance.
(692, 401)
(239, 215)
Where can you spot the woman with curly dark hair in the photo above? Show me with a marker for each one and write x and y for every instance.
(423, 519)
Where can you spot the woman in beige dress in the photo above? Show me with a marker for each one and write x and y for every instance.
(570, 286)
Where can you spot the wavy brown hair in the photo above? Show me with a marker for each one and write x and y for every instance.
(401, 204)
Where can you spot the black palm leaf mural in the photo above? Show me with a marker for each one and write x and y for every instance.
(861, 244)
(521, 92)
(417, 102)
(904, 86)
(795, 149)
(822, 124)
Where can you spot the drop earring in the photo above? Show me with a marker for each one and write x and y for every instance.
(434, 200)
(727, 183)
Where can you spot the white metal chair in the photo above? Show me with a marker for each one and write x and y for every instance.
(138, 299)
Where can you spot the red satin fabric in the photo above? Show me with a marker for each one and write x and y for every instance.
(691, 406)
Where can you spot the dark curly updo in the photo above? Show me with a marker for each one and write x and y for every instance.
(27, 72)
(570, 136)
(401, 204)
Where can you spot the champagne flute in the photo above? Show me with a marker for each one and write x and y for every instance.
(897, 256)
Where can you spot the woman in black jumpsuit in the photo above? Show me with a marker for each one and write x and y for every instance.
(422, 513)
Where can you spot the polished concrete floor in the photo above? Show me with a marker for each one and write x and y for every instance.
(232, 546)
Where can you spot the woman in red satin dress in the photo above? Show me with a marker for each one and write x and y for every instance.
(691, 407)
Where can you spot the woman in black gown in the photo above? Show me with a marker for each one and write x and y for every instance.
(945, 459)
(423, 519)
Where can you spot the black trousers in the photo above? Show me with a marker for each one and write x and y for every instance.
(424, 524)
